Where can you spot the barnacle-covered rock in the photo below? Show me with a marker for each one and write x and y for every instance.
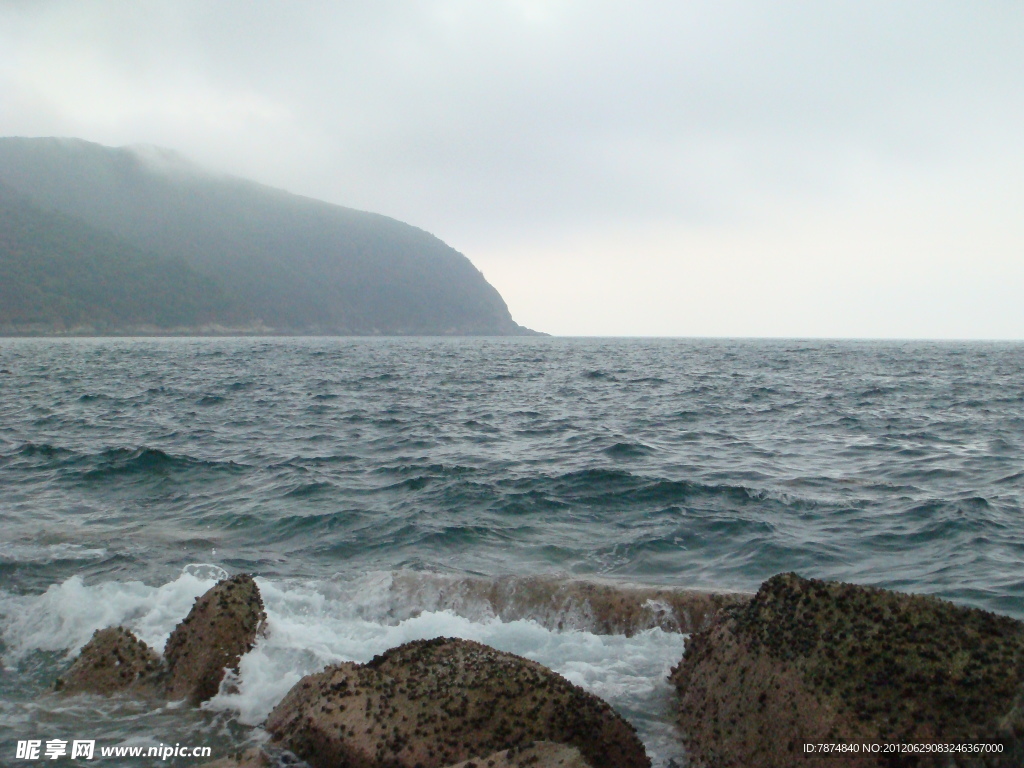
(113, 661)
(433, 703)
(221, 628)
(250, 758)
(813, 662)
(543, 754)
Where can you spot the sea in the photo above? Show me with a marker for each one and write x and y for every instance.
(134, 473)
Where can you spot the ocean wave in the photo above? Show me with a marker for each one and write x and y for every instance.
(119, 462)
(97, 397)
(43, 450)
(1011, 479)
(417, 483)
(619, 487)
(303, 462)
(628, 450)
(21, 553)
(65, 616)
(114, 462)
(307, 490)
(655, 380)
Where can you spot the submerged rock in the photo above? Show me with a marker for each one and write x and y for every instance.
(560, 603)
(432, 703)
(113, 661)
(808, 661)
(543, 754)
(221, 628)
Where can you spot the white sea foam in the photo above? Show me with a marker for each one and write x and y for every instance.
(65, 616)
(48, 553)
(313, 624)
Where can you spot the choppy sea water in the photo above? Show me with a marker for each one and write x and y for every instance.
(133, 473)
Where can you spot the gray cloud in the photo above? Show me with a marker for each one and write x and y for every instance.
(504, 122)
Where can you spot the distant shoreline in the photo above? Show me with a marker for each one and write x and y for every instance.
(245, 333)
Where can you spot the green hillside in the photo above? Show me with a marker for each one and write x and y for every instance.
(282, 262)
(59, 273)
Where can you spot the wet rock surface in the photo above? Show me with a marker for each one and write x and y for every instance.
(221, 628)
(250, 758)
(808, 661)
(543, 754)
(434, 703)
(558, 603)
(114, 661)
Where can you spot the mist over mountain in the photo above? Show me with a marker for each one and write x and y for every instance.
(138, 239)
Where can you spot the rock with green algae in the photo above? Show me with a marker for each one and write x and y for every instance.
(221, 627)
(809, 662)
(114, 661)
(434, 703)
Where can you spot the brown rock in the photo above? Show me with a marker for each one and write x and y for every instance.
(436, 702)
(808, 661)
(250, 758)
(543, 754)
(113, 661)
(218, 631)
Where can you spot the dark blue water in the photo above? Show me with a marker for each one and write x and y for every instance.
(710, 463)
(697, 463)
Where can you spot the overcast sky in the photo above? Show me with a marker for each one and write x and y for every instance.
(817, 168)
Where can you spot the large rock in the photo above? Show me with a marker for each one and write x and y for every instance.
(432, 703)
(113, 661)
(543, 754)
(221, 627)
(250, 758)
(813, 662)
